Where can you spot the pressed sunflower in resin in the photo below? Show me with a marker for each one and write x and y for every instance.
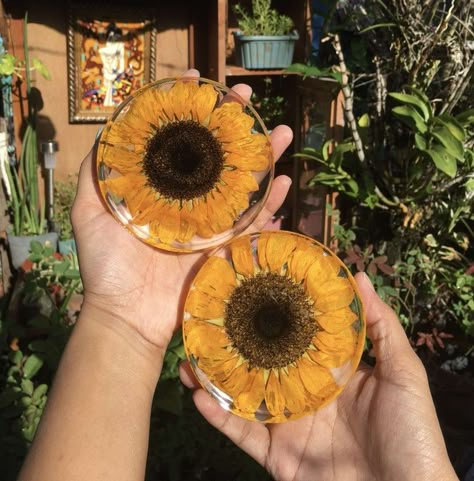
(273, 326)
(182, 166)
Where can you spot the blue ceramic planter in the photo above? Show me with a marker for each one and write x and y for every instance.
(264, 52)
(20, 246)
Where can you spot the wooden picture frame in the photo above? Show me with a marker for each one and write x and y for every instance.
(111, 54)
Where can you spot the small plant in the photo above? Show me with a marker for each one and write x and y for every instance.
(269, 106)
(64, 194)
(263, 20)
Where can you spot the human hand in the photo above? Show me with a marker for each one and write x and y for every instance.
(382, 427)
(129, 281)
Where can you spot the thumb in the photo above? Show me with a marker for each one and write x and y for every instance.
(391, 346)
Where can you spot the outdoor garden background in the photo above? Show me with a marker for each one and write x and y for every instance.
(388, 184)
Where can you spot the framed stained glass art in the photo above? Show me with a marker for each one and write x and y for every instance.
(111, 54)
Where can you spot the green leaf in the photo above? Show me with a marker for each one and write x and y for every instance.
(453, 125)
(36, 247)
(7, 64)
(443, 161)
(420, 142)
(32, 365)
(452, 145)
(422, 96)
(412, 100)
(27, 387)
(364, 120)
(40, 66)
(466, 118)
(410, 117)
(39, 392)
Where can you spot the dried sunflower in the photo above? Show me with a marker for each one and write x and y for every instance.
(273, 326)
(181, 165)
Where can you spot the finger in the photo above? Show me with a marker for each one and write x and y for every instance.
(239, 93)
(251, 437)
(192, 72)
(278, 193)
(187, 376)
(281, 138)
(390, 342)
(87, 190)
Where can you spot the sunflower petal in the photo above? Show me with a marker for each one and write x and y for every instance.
(219, 369)
(242, 258)
(123, 161)
(205, 340)
(329, 361)
(200, 305)
(333, 295)
(336, 321)
(203, 102)
(314, 377)
(123, 185)
(216, 278)
(273, 395)
(301, 260)
(262, 250)
(292, 390)
(236, 381)
(250, 399)
(344, 341)
(278, 248)
(230, 123)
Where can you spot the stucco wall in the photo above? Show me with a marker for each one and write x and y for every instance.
(47, 39)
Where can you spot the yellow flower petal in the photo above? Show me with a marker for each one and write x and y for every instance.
(242, 258)
(343, 342)
(278, 249)
(125, 184)
(123, 161)
(314, 377)
(237, 381)
(292, 390)
(262, 250)
(216, 278)
(301, 260)
(334, 294)
(273, 395)
(221, 369)
(250, 399)
(200, 305)
(203, 103)
(329, 361)
(230, 123)
(205, 340)
(336, 321)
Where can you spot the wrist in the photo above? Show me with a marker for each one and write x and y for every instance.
(119, 347)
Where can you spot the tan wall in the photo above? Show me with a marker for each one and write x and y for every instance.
(47, 40)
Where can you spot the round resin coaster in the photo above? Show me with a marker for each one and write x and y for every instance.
(273, 326)
(183, 165)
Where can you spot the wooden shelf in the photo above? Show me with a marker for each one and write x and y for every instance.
(234, 70)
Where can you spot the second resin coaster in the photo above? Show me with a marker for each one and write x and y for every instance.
(273, 326)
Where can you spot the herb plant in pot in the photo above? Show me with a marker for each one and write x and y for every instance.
(266, 39)
(64, 194)
(20, 181)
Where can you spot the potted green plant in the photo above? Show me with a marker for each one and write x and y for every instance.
(64, 194)
(266, 39)
(20, 181)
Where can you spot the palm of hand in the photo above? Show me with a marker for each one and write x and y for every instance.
(363, 434)
(141, 285)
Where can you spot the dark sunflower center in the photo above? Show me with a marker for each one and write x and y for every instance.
(269, 320)
(183, 160)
